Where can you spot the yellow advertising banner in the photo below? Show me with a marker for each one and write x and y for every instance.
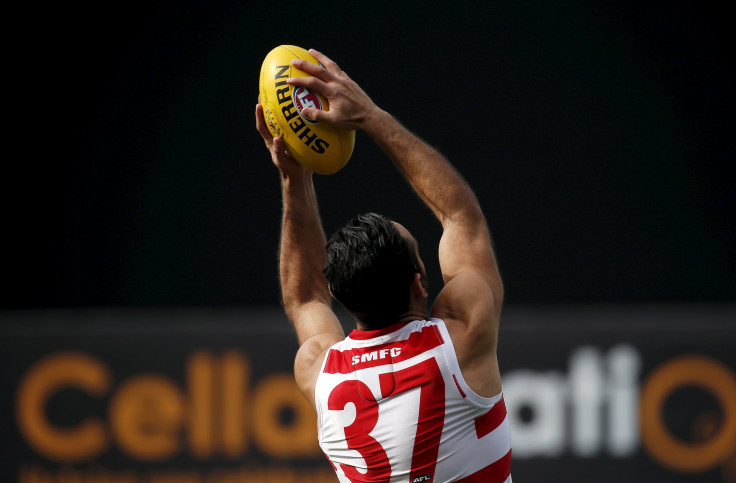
(208, 396)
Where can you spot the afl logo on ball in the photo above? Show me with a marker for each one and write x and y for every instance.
(303, 97)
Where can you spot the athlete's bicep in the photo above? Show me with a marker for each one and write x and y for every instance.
(466, 246)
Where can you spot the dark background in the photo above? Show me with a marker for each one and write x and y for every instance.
(598, 136)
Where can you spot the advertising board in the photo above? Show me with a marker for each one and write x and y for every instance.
(208, 396)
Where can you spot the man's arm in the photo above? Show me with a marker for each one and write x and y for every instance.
(466, 242)
(471, 300)
(302, 255)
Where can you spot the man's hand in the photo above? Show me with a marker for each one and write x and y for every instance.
(350, 106)
(288, 166)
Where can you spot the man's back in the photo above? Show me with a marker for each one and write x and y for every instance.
(393, 406)
(391, 417)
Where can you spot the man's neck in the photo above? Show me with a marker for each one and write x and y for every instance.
(404, 318)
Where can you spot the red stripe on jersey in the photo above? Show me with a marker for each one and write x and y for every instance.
(438, 333)
(491, 420)
(462, 393)
(344, 362)
(496, 472)
(357, 334)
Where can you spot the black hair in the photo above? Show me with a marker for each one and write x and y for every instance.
(370, 267)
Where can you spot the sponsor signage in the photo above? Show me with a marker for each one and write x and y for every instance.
(621, 394)
(195, 396)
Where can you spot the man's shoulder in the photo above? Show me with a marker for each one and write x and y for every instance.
(313, 350)
(467, 300)
(309, 359)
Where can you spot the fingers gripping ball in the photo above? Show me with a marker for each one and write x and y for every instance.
(320, 147)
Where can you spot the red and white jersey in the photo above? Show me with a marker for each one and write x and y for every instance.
(392, 407)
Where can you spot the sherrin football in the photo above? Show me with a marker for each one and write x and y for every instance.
(320, 147)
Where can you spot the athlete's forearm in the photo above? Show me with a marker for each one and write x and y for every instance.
(431, 175)
(302, 250)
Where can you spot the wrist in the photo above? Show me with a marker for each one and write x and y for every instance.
(296, 185)
(296, 177)
(374, 120)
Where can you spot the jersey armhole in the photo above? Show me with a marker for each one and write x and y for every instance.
(451, 358)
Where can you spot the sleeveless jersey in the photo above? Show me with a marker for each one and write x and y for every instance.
(392, 406)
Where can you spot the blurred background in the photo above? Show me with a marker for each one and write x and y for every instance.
(143, 213)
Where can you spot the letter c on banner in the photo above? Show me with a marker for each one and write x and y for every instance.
(691, 370)
(66, 369)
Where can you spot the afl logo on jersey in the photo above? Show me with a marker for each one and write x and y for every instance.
(420, 479)
(303, 97)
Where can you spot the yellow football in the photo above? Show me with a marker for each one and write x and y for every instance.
(320, 147)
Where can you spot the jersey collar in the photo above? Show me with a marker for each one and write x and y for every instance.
(357, 334)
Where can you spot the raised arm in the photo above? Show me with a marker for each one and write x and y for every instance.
(470, 302)
(302, 255)
(465, 246)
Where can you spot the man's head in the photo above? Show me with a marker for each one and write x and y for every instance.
(370, 268)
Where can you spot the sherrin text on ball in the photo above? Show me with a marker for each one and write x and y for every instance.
(320, 147)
